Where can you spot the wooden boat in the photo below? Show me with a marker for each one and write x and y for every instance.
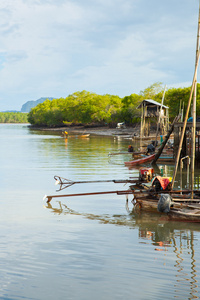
(166, 160)
(84, 135)
(67, 135)
(126, 152)
(148, 201)
(186, 215)
(153, 157)
(190, 214)
(140, 161)
(144, 138)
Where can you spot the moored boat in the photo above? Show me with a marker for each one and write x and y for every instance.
(140, 161)
(189, 214)
(148, 202)
(84, 135)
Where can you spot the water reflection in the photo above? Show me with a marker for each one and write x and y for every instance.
(62, 253)
(61, 208)
(165, 238)
(180, 237)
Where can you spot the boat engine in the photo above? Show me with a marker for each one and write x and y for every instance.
(146, 174)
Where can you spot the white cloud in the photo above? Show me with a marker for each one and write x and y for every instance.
(56, 47)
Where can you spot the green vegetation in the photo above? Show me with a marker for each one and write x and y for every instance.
(80, 107)
(89, 108)
(13, 117)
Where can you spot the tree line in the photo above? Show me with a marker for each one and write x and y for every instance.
(13, 117)
(90, 108)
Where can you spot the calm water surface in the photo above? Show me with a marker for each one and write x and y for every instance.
(88, 247)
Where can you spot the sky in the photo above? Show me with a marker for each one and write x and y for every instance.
(53, 48)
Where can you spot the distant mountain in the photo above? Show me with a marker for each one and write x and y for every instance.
(10, 111)
(26, 107)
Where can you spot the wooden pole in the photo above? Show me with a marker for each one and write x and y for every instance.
(49, 198)
(194, 112)
(185, 122)
(141, 126)
(144, 121)
(160, 113)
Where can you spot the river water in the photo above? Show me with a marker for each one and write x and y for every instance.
(89, 247)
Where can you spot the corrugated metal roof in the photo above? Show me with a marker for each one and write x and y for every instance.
(150, 101)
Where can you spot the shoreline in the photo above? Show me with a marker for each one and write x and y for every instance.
(128, 133)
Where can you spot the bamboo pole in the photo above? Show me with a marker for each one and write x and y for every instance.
(185, 121)
(49, 198)
(194, 111)
(141, 126)
(163, 97)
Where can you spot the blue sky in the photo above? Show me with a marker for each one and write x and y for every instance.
(53, 48)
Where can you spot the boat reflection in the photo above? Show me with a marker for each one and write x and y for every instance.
(105, 219)
(181, 238)
(175, 240)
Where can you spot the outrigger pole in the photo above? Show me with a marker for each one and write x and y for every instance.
(144, 193)
(49, 198)
(65, 183)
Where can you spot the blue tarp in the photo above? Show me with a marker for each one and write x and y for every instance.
(191, 119)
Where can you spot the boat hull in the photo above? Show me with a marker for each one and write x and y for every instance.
(140, 161)
(185, 215)
(183, 209)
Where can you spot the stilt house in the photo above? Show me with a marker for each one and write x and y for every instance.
(153, 109)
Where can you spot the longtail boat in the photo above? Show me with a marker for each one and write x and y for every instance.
(189, 214)
(140, 161)
(153, 157)
(126, 152)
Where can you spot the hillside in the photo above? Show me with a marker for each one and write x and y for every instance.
(26, 107)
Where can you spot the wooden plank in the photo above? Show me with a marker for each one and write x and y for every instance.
(185, 200)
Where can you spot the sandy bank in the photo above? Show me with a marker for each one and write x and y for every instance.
(103, 131)
(129, 132)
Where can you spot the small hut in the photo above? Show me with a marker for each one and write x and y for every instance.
(153, 109)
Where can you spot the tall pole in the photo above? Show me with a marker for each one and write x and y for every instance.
(185, 121)
(158, 125)
(193, 89)
(141, 126)
(194, 111)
